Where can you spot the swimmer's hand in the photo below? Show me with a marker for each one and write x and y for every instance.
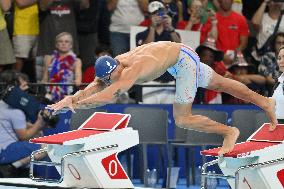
(53, 112)
(62, 106)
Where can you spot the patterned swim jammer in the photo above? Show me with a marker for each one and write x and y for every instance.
(190, 74)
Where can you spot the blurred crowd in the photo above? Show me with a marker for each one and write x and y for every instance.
(58, 41)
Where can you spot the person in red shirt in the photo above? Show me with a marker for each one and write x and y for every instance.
(89, 74)
(232, 29)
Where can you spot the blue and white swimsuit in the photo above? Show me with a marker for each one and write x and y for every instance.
(190, 74)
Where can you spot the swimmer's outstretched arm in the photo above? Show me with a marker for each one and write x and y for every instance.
(108, 95)
(94, 87)
(69, 102)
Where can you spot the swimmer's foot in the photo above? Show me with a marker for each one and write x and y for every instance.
(229, 141)
(270, 111)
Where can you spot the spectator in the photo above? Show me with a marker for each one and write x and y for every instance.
(195, 23)
(16, 131)
(25, 32)
(265, 23)
(6, 51)
(268, 66)
(173, 8)
(56, 17)
(62, 67)
(89, 73)
(235, 30)
(244, 72)
(161, 28)
(125, 13)
(87, 27)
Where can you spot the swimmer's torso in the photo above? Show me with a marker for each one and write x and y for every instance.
(156, 58)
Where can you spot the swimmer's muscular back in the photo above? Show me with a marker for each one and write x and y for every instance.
(153, 59)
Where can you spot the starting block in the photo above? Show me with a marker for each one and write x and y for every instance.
(257, 163)
(87, 157)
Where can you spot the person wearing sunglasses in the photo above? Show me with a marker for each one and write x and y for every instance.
(149, 61)
(278, 93)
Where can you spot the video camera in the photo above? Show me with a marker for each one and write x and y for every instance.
(30, 105)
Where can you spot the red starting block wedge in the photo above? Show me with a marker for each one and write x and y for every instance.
(263, 134)
(65, 137)
(257, 163)
(87, 157)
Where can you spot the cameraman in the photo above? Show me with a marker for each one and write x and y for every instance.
(16, 131)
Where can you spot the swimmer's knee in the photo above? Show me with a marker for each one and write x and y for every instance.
(190, 120)
(183, 120)
(179, 120)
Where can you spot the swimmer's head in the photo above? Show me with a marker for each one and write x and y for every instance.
(104, 66)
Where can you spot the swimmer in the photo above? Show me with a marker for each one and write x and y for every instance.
(149, 61)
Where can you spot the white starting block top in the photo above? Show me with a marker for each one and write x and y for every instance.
(257, 163)
(87, 157)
